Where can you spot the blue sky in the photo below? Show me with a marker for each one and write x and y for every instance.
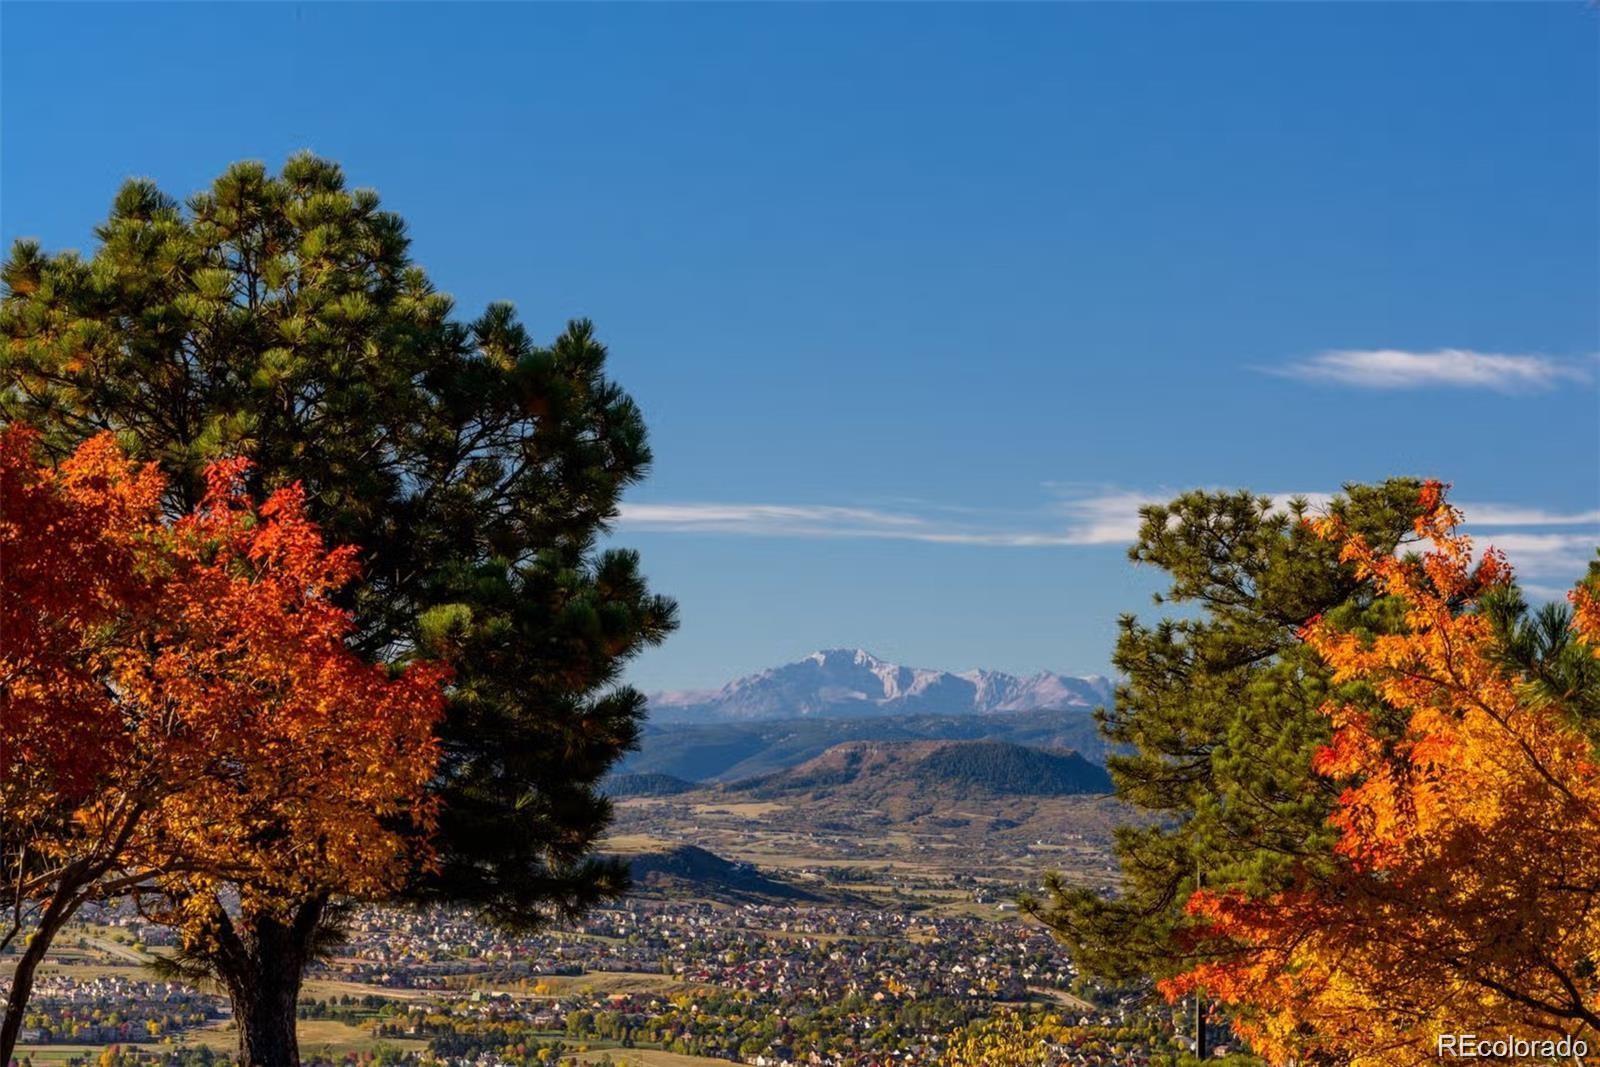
(920, 301)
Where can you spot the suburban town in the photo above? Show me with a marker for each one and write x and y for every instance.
(773, 985)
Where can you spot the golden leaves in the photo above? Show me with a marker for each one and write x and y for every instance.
(1465, 896)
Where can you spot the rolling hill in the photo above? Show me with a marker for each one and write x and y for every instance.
(647, 785)
(688, 870)
(871, 773)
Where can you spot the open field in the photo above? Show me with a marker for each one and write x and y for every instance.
(42, 1055)
(335, 1037)
(628, 843)
(750, 809)
(316, 1035)
(326, 988)
(635, 1057)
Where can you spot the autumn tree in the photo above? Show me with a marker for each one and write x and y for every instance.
(1040, 1038)
(280, 317)
(75, 565)
(181, 712)
(1216, 722)
(1008, 1039)
(1466, 877)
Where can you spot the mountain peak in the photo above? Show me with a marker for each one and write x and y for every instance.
(854, 683)
(858, 657)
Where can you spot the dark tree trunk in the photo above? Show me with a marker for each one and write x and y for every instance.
(264, 1011)
(260, 960)
(51, 921)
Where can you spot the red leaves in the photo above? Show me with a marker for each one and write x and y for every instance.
(196, 672)
(73, 567)
(1431, 499)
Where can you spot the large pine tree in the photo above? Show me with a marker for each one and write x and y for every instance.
(280, 317)
(1217, 718)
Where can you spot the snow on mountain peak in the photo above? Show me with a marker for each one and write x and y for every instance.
(852, 682)
(858, 657)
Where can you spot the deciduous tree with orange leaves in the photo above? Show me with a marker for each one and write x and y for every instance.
(1465, 896)
(181, 715)
(280, 315)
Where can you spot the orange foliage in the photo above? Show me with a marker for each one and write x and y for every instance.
(1466, 893)
(179, 705)
(74, 559)
(1586, 611)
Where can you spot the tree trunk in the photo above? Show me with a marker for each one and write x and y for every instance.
(55, 916)
(260, 960)
(264, 1011)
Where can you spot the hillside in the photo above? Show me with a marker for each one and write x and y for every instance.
(726, 752)
(930, 772)
(1012, 770)
(690, 871)
(852, 683)
(647, 785)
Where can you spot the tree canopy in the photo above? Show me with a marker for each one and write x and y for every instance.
(181, 711)
(1464, 886)
(279, 317)
(1217, 719)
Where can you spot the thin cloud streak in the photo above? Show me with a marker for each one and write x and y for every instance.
(1545, 554)
(1389, 368)
(1512, 515)
(1103, 518)
(822, 521)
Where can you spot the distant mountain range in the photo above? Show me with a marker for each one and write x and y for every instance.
(671, 754)
(853, 683)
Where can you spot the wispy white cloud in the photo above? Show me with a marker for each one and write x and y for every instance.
(1545, 545)
(828, 521)
(1545, 555)
(1518, 515)
(1108, 517)
(1522, 532)
(1111, 516)
(1389, 368)
(760, 518)
(1077, 517)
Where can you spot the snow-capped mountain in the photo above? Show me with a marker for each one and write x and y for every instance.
(851, 683)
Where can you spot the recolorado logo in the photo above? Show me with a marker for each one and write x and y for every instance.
(1473, 1047)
